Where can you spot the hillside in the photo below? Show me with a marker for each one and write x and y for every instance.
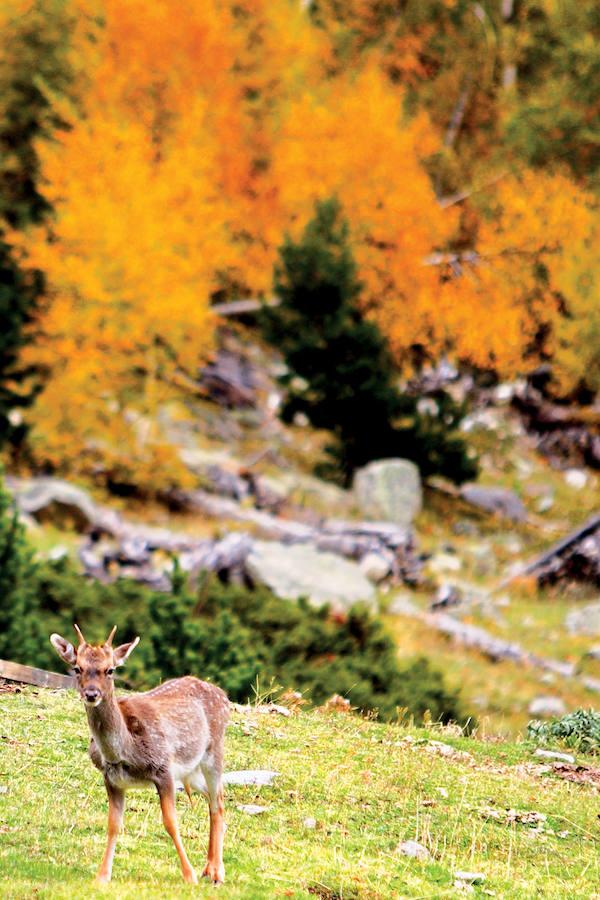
(460, 546)
(349, 792)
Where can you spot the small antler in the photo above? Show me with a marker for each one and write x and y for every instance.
(82, 640)
(108, 641)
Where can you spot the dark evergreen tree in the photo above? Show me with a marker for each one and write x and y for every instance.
(340, 373)
(22, 635)
(33, 70)
(19, 291)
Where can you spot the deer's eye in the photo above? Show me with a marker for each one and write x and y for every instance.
(109, 671)
(77, 670)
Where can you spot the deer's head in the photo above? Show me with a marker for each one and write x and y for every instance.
(93, 665)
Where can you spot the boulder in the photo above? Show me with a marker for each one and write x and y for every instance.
(495, 500)
(377, 566)
(584, 620)
(547, 707)
(389, 490)
(300, 570)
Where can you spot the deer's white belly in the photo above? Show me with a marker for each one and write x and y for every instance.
(120, 777)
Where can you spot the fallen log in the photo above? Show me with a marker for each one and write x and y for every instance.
(565, 557)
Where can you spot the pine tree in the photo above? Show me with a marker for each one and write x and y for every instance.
(22, 635)
(340, 372)
(34, 68)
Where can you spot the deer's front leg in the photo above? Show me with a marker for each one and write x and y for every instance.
(116, 805)
(166, 792)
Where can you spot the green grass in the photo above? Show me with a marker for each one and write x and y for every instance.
(368, 786)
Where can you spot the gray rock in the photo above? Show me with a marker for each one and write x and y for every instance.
(576, 478)
(552, 754)
(414, 850)
(255, 777)
(402, 605)
(470, 877)
(53, 499)
(584, 620)
(389, 490)
(299, 570)
(544, 504)
(446, 596)
(377, 566)
(495, 500)
(547, 707)
(444, 562)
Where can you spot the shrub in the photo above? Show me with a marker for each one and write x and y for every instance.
(235, 637)
(340, 372)
(21, 632)
(579, 730)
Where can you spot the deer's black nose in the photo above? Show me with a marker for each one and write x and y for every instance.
(90, 696)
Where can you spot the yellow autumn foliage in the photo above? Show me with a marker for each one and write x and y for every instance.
(202, 135)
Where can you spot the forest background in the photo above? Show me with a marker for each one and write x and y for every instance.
(154, 157)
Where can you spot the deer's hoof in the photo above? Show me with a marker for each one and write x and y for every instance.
(102, 878)
(190, 877)
(214, 872)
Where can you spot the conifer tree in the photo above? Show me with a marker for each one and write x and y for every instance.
(340, 372)
(33, 69)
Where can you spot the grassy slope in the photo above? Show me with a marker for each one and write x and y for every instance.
(365, 784)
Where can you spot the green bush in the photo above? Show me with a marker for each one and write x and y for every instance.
(237, 638)
(22, 631)
(340, 372)
(579, 730)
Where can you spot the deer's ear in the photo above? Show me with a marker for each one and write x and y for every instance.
(121, 653)
(64, 649)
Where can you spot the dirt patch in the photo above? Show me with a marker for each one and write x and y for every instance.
(578, 774)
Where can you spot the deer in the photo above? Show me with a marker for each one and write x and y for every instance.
(172, 733)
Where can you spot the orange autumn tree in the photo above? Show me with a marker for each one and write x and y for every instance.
(163, 200)
(506, 307)
(198, 141)
(139, 237)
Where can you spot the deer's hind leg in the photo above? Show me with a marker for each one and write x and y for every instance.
(166, 793)
(213, 778)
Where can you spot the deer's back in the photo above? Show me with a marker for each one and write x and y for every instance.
(184, 712)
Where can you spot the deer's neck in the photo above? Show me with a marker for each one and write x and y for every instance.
(109, 730)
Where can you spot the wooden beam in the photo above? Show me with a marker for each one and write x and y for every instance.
(13, 671)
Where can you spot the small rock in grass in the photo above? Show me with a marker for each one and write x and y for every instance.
(470, 877)
(258, 777)
(576, 478)
(552, 754)
(544, 504)
(252, 809)
(309, 822)
(414, 850)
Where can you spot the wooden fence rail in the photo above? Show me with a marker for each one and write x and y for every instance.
(13, 671)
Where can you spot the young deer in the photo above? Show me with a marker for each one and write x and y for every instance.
(171, 733)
